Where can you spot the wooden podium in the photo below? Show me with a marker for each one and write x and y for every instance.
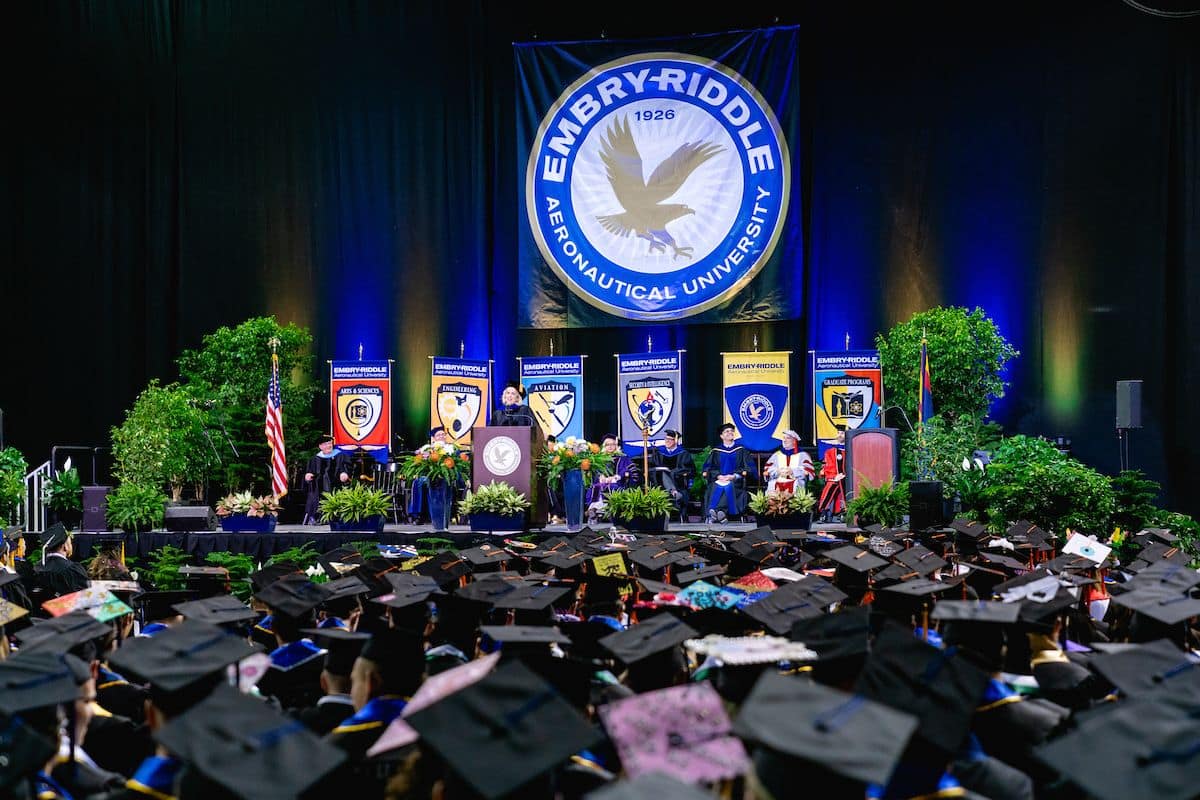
(872, 457)
(510, 453)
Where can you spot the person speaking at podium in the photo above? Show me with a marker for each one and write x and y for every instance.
(512, 409)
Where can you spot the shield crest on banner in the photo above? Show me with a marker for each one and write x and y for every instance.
(553, 404)
(458, 407)
(650, 402)
(847, 403)
(360, 408)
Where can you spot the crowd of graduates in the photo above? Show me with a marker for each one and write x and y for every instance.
(765, 665)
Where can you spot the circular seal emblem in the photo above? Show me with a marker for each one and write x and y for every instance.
(756, 412)
(502, 455)
(657, 185)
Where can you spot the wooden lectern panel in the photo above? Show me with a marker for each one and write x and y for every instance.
(872, 458)
(509, 453)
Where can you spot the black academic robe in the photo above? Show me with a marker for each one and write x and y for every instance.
(326, 472)
(120, 697)
(329, 712)
(522, 415)
(60, 575)
(116, 743)
(673, 471)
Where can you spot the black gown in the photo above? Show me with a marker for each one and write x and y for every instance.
(60, 575)
(325, 472)
(522, 415)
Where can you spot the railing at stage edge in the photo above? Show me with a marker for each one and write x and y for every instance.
(33, 510)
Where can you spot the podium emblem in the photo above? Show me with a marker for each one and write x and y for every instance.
(501, 456)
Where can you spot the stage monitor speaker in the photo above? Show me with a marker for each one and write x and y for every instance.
(926, 508)
(1129, 404)
(95, 508)
(190, 518)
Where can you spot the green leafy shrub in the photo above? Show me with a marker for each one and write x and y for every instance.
(354, 503)
(1029, 479)
(162, 440)
(432, 545)
(1186, 528)
(366, 548)
(773, 504)
(240, 565)
(12, 481)
(637, 502)
(1135, 496)
(133, 507)
(967, 361)
(885, 504)
(946, 443)
(64, 492)
(304, 556)
(162, 568)
(496, 497)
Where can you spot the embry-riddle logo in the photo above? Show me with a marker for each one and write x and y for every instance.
(657, 185)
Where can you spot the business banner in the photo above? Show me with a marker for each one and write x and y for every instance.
(649, 395)
(658, 179)
(459, 395)
(554, 390)
(847, 393)
(360, 397)
(757, 395)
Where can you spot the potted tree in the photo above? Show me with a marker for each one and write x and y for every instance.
(638, 508)
(63, 495)
(783, 510)
(494, 506)
(242, 511)
(358, 507)
(136, 508)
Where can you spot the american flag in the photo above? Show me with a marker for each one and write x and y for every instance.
(275, 432)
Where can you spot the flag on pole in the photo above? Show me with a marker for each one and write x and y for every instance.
(275, 432)
(925, 403)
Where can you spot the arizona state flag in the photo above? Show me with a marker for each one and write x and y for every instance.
(925, 403)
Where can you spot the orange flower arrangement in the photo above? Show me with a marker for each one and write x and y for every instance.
(443, 461)
(573, 454)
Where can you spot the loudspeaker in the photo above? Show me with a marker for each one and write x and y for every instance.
(925, 507)
(190, 518)
(95, 508)
(1129, 404)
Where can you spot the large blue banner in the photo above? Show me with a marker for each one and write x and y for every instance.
(847, 393)
(658, 179)
(649, 396)
(554, 391)
(757, 393)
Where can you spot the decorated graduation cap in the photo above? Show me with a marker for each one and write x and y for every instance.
(504, 731)
(275, 756)
(849, 735)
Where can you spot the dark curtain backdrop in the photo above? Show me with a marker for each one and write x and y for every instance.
(171, 167)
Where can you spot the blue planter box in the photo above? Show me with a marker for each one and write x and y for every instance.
(643, 524)
(366, 524)
(496, 522)
(243, 523)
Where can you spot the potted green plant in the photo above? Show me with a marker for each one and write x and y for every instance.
(885, 504)
(783, 510)
(242, 511)
(358, 507)
(638, 508)
(12, 482)
(136, 508)
(63, 495)
(494, 506)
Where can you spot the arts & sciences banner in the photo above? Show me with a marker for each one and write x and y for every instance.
(847, 392)
(757, 394)
(554, 390)
(360, 394)
(659, 179)
(649, 394)
(459, 396)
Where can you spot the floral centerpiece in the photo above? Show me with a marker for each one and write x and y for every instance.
(571, 454)
(242, 511)
(440, 461)
(783, 509)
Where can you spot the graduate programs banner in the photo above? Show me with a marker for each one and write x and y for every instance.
(757, 395)
(847, 391)
(459, 395)
(360, 394)
(554, 390)
(658, 179)
(650, 394)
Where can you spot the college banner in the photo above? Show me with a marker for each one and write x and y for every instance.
(847, 393)
(459, 396)
(554, 390)
(757, 394)
(659, 179)
(360, 398)
(649, 394)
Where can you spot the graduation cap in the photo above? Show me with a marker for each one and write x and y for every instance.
(847, 734)
(655, 558)
(222, 609)
(1167, 607)
(855, 558)
(181, 655)
(39, 680)
(649, 786)
(648, 638)
(486, 554)
(1165, 576)
(272, 572)
(798, 600)
(702, 573)
(55, 536)
(1149, 668)
(445, 568)
(921, 560)
(408, 589)
(969, 529)
(1141, 748)
(1038, 615)
(275, 756)
(341, 647)
(160, 605)
(524, 634)
(532, 597)
(937, 686)
(976, 626)
(10, 612)
(292, 598)
(682, 731)
(504, 731)
(842, 635)
(61, 634)
(207, 580)
(339, 561)
(25, 750)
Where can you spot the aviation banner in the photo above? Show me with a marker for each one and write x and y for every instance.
(554, 391)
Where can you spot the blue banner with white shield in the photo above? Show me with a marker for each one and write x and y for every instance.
(554, 392)
(649, 397)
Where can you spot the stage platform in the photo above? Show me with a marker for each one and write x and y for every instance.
(263, 545)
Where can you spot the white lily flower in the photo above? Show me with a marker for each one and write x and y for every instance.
(979, 463)
(966, 464)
